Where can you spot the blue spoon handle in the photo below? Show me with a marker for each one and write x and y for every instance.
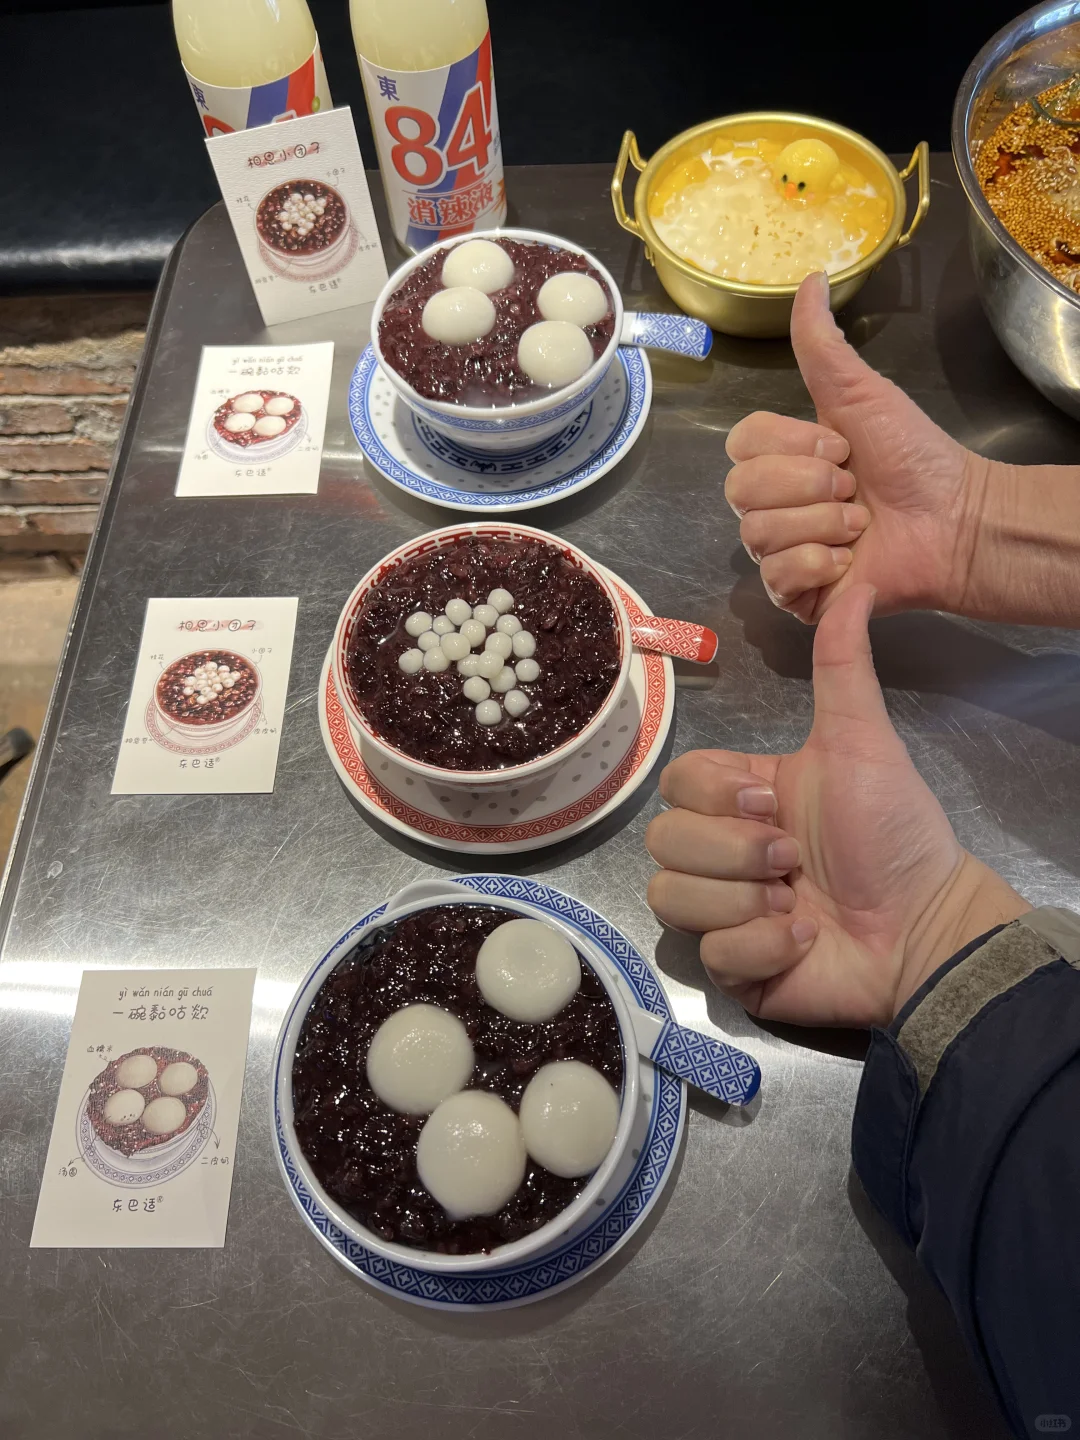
(711, 1065)
(657, 330)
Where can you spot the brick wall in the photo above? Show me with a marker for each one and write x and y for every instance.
(66, 367)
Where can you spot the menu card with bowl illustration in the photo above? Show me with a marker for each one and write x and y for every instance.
(143, 1144)
(257, 420)
(299, 202)
(208, 698)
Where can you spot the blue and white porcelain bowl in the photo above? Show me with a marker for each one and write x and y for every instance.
(422, 896)
(507, 428)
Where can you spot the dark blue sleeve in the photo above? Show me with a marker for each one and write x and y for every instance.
(967, 1137)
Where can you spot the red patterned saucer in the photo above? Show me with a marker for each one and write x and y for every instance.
(585, 788)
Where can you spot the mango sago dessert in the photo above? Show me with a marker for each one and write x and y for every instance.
(766, 213)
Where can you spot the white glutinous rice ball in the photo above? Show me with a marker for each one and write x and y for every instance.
(417, 1057)
(527, 971)
(499, 644)
(508, 625)
(411, 661)
(269, 426)
(476, 689)
(487, 615)
(474, 632)
(569, 1115)
(284, 404)
(527, 671)
(251, 402)
(458, 316)
(489, 664)
(179, 1078)
(554, 352)
(458, 611)
(436, 660)
(469, 667)
(442, 625)
(573, 296)
(164, 1115)
(516, 702)
(455, 646)
(480, 263)
(505, 680)
(488, 712)
(501, 600)
(417, 623)
(471, 1154)
(428, 640)
(124, 1107)
(524, 645)
(136, 1071)
(239, 423)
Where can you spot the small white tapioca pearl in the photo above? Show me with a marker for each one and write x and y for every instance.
(411, 661)
(474, 632)
(488, 712)
(487, 615)
(455, 646)
(504, 680)
(217, 687)
(188, 690)
(418, 623)
(489, 664)
(429, 640)
(508, 625)
(436, 660)
(211, 664)
(500, 644)
(502, 600)
(527, 671)
(524, 644)
(469, 666)
(229, 681)
(516, 702)
(203, 700)
(442, 625)
(459, 611)
(476, 689)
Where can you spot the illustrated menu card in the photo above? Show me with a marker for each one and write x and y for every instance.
(299, 202)
(257, 420)
(143, 1144)
(208, 697)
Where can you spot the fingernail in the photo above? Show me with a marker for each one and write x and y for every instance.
(832, 447)
(841, 555)
(803, 931)
(784, 855)
(756, 801)
(781, 897)
(843, 484)
(856, 517)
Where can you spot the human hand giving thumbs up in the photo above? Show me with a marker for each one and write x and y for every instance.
(873, 491)
(828, 884)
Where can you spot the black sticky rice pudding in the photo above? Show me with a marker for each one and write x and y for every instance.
(426, 715)
(363, 1153)
(485, 372)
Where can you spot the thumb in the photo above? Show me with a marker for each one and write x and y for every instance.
(831, 370)
(847, 696)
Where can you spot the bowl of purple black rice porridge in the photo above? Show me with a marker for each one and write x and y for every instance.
(477, 393)
(206, 693)
(356, 1157)
(458, 719)
(304, 222)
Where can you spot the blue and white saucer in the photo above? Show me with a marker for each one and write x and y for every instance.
(409, 453)
(634, 1188)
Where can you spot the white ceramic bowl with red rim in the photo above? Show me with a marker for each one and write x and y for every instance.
(502, 427)
(214, 729)
(427, 895)
(510, 774)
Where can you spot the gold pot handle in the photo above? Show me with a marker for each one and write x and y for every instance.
(628, 152)
(921, 160)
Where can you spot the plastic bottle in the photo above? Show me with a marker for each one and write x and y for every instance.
(250, 62)
(426, 66)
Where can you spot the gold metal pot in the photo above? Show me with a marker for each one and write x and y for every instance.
(733, 306)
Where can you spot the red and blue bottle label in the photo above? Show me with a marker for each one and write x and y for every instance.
(225, 108)
(437, 133)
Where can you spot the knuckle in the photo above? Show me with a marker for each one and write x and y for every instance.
(658, 835)
(754, 531)
(658, 893)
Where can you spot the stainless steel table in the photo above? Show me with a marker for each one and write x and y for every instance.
(764, 1299)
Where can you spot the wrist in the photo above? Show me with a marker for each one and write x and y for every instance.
(977, 532)
(973, 900)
